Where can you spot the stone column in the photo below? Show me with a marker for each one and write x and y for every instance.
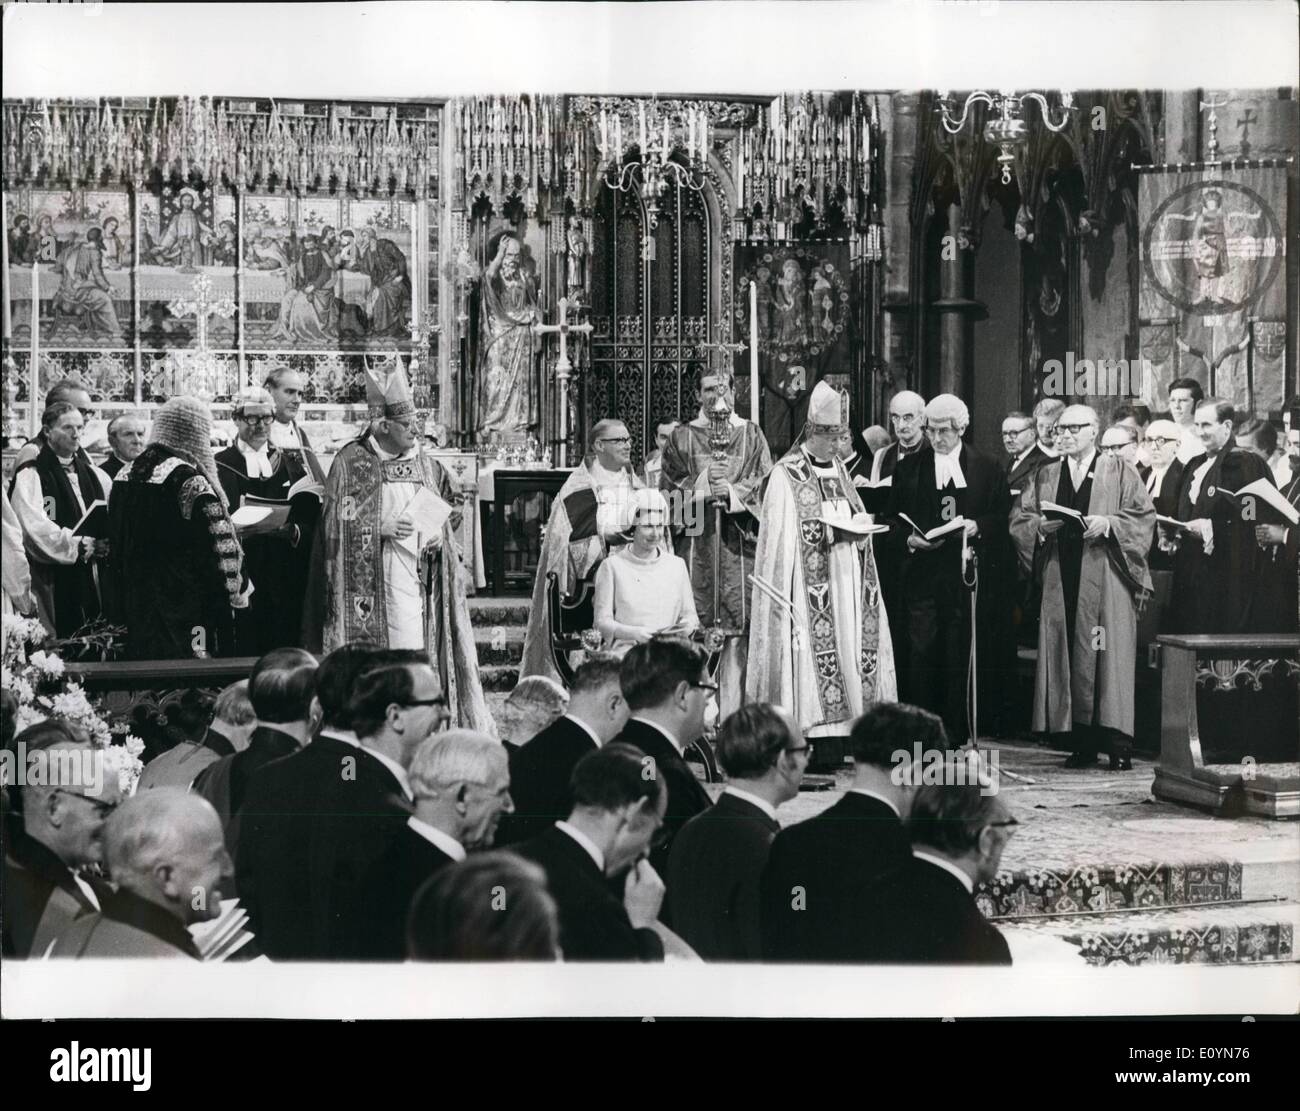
(958, 310)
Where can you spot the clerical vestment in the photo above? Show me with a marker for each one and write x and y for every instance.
(830, 656)
(684, 476)
(396, 593)
(1080, 677)
(590, 507)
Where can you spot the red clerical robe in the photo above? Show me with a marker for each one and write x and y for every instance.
(1089, 681)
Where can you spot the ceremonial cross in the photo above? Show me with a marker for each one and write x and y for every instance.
(727, 348)
(201, 308)
(1244, 121)
(562, 367)
(1212, 145)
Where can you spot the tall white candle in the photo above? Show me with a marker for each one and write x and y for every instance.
(753, 352)
(690, 135)
(34, 366)
(641, 106)
(740, 174)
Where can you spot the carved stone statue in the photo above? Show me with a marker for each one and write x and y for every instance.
(507, 390)
(577, 262)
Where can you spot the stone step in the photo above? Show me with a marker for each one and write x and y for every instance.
(1248, 933)
(499, 644)
(484, 612)
(498, 678)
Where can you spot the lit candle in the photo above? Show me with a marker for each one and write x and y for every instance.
(664, 144)
(753, 352)
(690, 135)
(740, 174)
(34, 366)
(704, 137)
(604, 135)
(618, 138)
(641, 106)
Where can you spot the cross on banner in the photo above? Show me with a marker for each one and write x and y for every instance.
(562, 368)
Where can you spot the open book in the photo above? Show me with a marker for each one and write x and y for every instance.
(1267, 493)
(939, 531)
(1172, 523)
(1054, 512)
(863, 482)
(860, 524)
(307, 486)
(94, 522)
(256, 516)
(218, 938)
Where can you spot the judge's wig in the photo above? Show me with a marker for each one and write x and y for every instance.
(947, 406)
(184, 426)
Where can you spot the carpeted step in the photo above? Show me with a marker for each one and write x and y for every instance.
(1248, 933)
(499, 644)
(486, 611)
(498, 677)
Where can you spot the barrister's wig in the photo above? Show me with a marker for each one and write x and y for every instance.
(947, 406)
(184, 426)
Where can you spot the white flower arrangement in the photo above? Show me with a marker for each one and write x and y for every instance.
(36, 677)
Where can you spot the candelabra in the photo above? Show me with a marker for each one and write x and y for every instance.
(1008, 129)
(658, 147)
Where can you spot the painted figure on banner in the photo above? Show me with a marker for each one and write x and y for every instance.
(225, 248)
(791, 302)
(263, 251)
(84, 292)
(307, 310)
(185, 236)
(698, 481)
(388, 303)
(587, 518)
(819, 637)
(22, 243)
(385, 567)
(117, 247)
(507, 392)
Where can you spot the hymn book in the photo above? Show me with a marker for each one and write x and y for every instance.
(219, 938)
(256, 516)
(1269, 494)
(939, 531)
(94, 522)
(1064, 513)
(860, 524)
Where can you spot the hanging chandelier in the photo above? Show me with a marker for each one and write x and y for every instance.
(1007, 129)
(671, 149)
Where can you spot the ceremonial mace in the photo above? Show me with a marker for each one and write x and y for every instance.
(719, 440)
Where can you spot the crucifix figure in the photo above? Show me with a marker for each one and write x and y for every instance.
(563, 368)
(185, 364)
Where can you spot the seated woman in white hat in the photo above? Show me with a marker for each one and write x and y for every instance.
(642, 588)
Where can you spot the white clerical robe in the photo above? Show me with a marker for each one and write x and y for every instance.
(403, 602)
(834, 657)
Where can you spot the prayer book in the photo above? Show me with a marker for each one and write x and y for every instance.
(256, 516)
(862, 482)
(1054, 512)
(307, 486)
(860, 524)
(428, 513)
(94, 522)
(939, 531)
(218, 938)
(1267, 493)
(1172, 523)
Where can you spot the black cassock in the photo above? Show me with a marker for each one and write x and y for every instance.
(277, 566)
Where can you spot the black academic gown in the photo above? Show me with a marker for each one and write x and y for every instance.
(925, 915)
(1222, 592)
(594, 925)
(277, 566)
(936, 603)
(1166, 503)
(714, 871)
(821, 882)
(686, 796)
(540, 771)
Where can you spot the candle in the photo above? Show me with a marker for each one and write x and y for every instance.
(604, 135)
(618, 138)
(704, 137)
(664, 145)
(740, 174)
(641, 107)
(34, 366)
(753, 352)
(690, 135)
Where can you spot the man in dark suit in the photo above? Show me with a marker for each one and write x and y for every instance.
(282, 689)
(540, 769)
(932, 488)
(126, 441)
(718, 856)
(460, 781)
(820, 886)
(50, 835)
(926, 913)
(617, 813)
(1024, 455)
(316, 821)
(1163, 483)
(666, 684)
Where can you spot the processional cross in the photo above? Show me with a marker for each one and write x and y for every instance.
(563, 368)
(200, 306)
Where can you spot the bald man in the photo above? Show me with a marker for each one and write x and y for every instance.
(166, 853)
(586, 517)
(1094, 572)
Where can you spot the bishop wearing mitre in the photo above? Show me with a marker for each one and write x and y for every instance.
(589, 514)
(819, 639)
(386, 562)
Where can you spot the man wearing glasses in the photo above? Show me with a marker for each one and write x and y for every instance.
(54, 833)
(1093, 570)
(1162, 482)
(1024, 456)
(275, 560)
(386, 567)
(588, 515)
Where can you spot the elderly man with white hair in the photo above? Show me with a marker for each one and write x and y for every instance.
(932, 490)
(166, 854)
(1085, 525)
(460, 781)
(587, 518)
(643, 588)
(126, 433)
